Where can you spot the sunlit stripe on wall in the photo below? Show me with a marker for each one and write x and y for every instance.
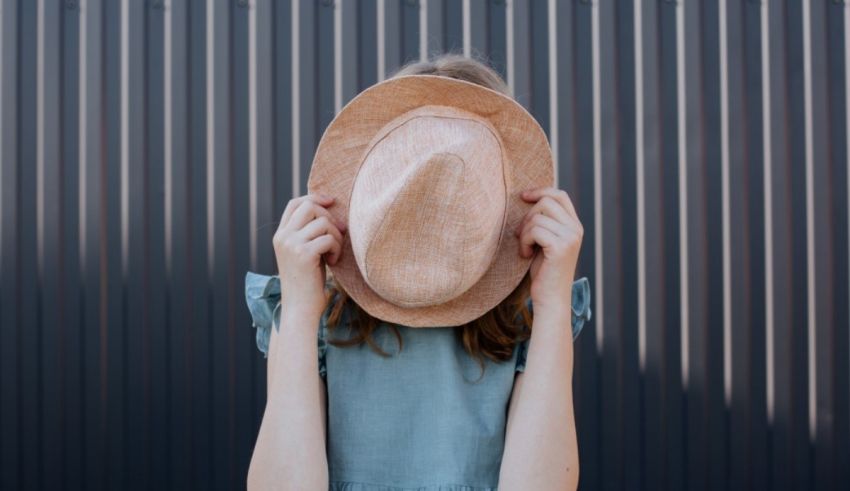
(847, 125)
(767, 143)
(641, 188)
(296, 101)
(684, 291)
(724, 177)
(125, 136)
(39, 159)
(553, 82)
(423, 30)
(467, 28)
(509, 45)
(337, 57)
(253, 89)
(381, 40)
(597, 177)
(2, 108)
(810, 214)
(168, 150)
(210, 40)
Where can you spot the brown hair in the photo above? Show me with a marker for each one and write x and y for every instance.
(493, 335)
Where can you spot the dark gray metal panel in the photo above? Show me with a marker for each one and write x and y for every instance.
(401, 34)
(522, 52)
(136, 313)
(669, 294)
(497, 37)
(349, 37)
(179, 284)
(72, 378)
(11, 378)
(28, 284)
(479, 27)
(324, 39)
(223, 290)
(744, 124)
(308, 86)
(538, 43)
(157, 343)
(657, 132)
(367, 43)
(696, 416)
(837, 337)
(241, 348)
(616, 245)
(779, 436)
(115, 298)
(708, 332)
(200, 293)
(827, 72)
(756, 474)
(588, 363)
(94, 254)
(392, 36)
(801, 463)
(452, 21)
(48, 195)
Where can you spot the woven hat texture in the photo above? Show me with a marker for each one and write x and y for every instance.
(427, 172)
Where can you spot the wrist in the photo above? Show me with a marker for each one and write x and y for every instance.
(302, 319)
(556, 316)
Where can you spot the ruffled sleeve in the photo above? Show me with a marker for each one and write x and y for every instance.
(581, 314)
(262, 294)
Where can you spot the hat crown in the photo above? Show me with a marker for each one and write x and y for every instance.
(427, 206)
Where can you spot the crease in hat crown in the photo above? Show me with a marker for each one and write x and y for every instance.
(427, 205)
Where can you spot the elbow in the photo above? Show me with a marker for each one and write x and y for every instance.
(269, 474)
(262, 475)
(572, 475)
(572, 482)
(254, 480)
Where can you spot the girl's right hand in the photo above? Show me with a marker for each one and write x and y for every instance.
(305, 234)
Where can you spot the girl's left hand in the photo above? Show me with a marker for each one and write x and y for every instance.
(553, 225)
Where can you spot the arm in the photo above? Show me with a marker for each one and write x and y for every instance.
(290, 448)
(541, 451)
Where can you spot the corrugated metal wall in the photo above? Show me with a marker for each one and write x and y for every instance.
(148, 149)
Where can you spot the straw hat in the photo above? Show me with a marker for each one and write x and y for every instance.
(427, 172)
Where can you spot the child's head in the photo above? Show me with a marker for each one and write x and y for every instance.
(460, 67)
(494, 334)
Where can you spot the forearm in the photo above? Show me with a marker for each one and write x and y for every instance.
(290, 451)
(541, 451)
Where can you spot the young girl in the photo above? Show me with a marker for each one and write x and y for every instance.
(377, 405)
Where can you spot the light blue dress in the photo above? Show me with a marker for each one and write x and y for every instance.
(421, 419)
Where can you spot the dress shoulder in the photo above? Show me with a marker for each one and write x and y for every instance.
(262, 295)
(581, 313)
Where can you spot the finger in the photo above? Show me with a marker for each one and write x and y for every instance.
(324, 244)
(539, 235)
(546, 206)
(539, 220)
(307, 211)
(317, 227)
(294, 203)
(558, 194)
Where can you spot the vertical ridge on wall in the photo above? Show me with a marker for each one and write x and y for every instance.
(148, 150)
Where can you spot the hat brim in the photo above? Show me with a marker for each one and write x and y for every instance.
(529, 164)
